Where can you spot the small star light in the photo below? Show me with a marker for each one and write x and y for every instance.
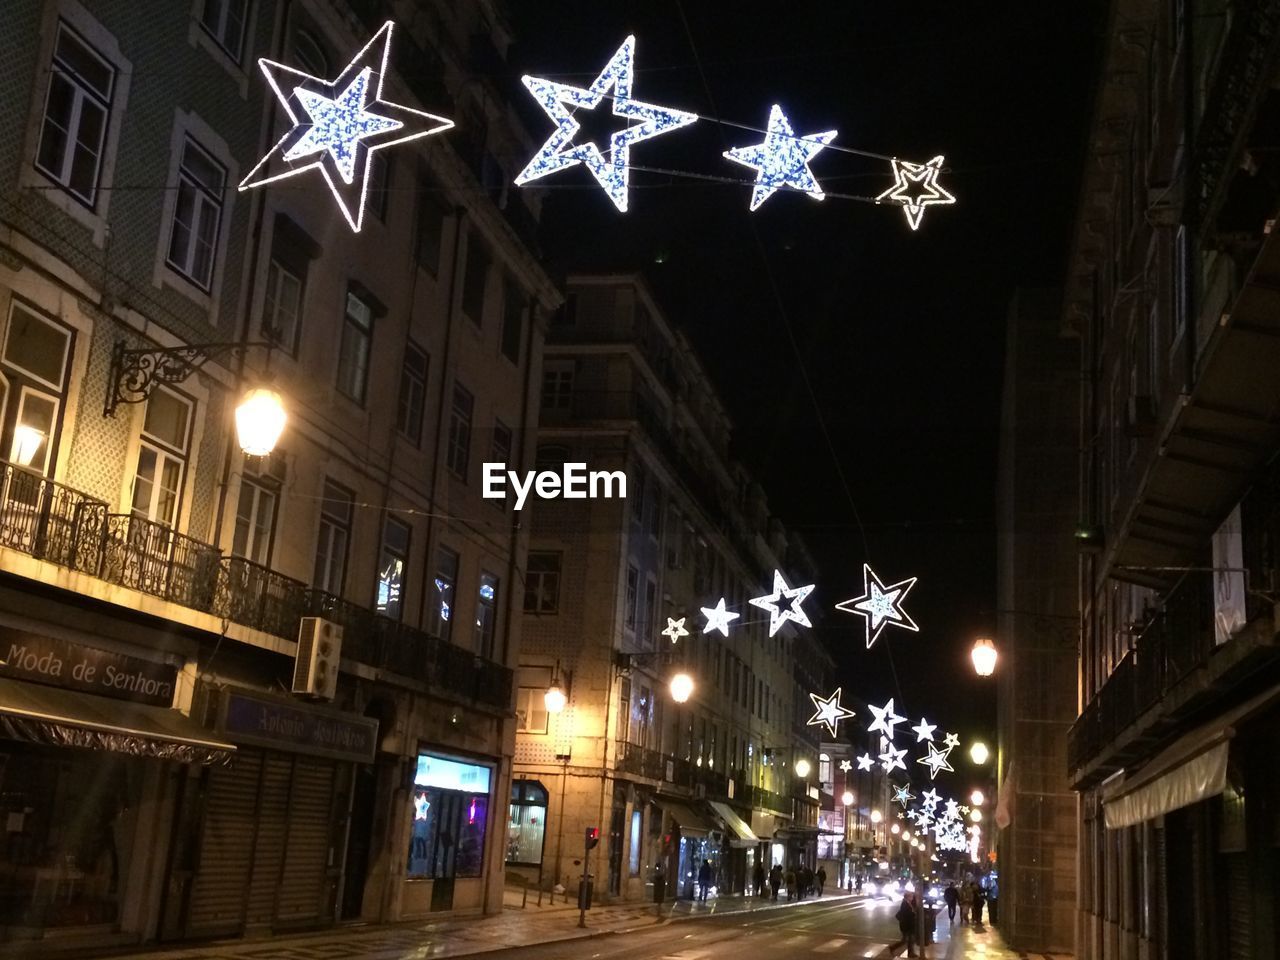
(782, 160)
(903, 795)
(420, 807)
(337, 125)
(951, 741)
(964, 809)
(916, 187)
(718, 618)
(924, 730)
(930, 799)
(880, 605)
(951, 810)
(885, 719)
(612, 168)
(865, 762)
(846, 766)
(829, 712)
(891, 759)
(936, 760)
(777, 615)
(675, 629)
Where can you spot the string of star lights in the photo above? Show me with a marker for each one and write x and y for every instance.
(337, 125)
(880, 605)
(866, 762)
(829, 712)
(884, 719)
(780, 161)
(777, 615)
(718, 618)
(891, 759)
(936, 760)
(675, 629)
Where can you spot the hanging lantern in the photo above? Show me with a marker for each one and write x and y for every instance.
(681, 687)
(554, 699)
(260, 419)
(26, 444)
(984, 657)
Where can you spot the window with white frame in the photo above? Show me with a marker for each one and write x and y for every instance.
(391, 567)
(33, 385)
(632, 597)
(224, 20)
(281, 305)
(255, 520)
(413, 394)
(531, 710)
(163, 450)
(443, 585)
(459, 451)
(557, 386)
(486, 615)
(197, 215)
(542, 582)
(336, 507)
(77, 111)
(354, 348)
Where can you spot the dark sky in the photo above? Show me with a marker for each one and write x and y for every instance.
(899, 335)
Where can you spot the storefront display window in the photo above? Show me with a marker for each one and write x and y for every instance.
(450, 811)
(526, 824)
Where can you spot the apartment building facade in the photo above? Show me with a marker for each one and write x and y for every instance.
(1171, 287)
(159, 779)
(668, 784)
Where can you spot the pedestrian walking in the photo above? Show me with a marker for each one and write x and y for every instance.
(790, 879)
(704, 880)
(821, 879)
(757, 878)
(993, 897)
(979, 898)
(858, 883)
(906, 917)
(775, 879)
(952, 897)
(966, 901)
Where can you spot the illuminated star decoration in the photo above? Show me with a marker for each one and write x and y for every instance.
(718, 618)
(420, 807)
(829, 712)
(951, 741)
(964, 809)
(612, 169)
(885, 719)
(865, 762)
(782, 160)
(777, 615)
(337, 125)
(846, 766)
(924, 730)
(952, 810)
(880, 605)
(903, 794)
(901, 815)
(930, 799)
(891, 759)
(675, 629)
(916, 187)
(936, 760)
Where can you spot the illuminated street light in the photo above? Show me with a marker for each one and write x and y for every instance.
(977, 798)
(979, 753)
(984, 657)
(26, 444)
(260, 419)
(847, 798)
(906, 834)
(975, 816)
(895, 829)
(681, 687)
(554, 699)
(876, 816)
(802, 767)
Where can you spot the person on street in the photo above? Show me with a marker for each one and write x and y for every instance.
(952, 896)
(757, 878)
(820, 878)
(775, 879)
(966, 901)
(858, 883)
(906, 917)
(979, 898)
(993, 896)
(790, 879)
(704, 880)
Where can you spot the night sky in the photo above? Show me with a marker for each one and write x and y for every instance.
(835, 308)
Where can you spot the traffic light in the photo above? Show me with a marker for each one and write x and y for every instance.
(593, 837)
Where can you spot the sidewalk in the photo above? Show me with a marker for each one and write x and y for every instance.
(985, 943)
(471, 935)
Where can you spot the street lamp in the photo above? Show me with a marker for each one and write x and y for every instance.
(984, 657)
(260, 419)
(895, 829)
(979, 753)
(977, 798)
(876, 816)
(26, 444)
(554, 699)
(975, 816)
(681, 687)
(847, 798)
(802, 767)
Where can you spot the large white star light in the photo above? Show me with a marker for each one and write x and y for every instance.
(611, 168)
(675, 629)
(778, 614)
(866, 762)
(829, 712)
(936, 760)
(880, 605)
(891, 759)
(930, 799)
(885, 719)
(782, 160)
(916, 187)
(924, 730)
(718, 618)
(338, 124)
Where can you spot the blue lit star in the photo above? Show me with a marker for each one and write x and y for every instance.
(916, 187)
(782, 160)
(778, 615)
(560, 100)
(881, 605)
(337, 125)
(903, 794)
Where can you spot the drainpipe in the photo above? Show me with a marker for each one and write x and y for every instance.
(1189, 219)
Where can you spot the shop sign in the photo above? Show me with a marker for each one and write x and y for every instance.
(252, 719)
(58, 663)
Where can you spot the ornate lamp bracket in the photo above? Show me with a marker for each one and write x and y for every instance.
(134, 373)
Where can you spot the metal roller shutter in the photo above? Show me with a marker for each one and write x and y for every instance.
(304, 880)
(226, 849)
(269, 841)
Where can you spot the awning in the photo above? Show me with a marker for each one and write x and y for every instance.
(66, 718)
(1191, 770)
(690, 822)
(742, 835)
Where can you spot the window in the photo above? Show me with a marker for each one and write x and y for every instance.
(281, 304)
(197, 214)
(486, 615)
(430, 228)
(76, 112)
(336, 508)
(633, 590)
(391, 564)
(446, 579)
(557, 387)
(37, 357)
(450, 801)
(309, 55)
(255, 521)
(531, 710)
(474, 279)
(413, 394)
(379, 184)
(526, 826)
(655, 513)
(353, 352)
(459, 452)
(633, 857)
(542, 583)
(512, 320)
(224, 21)
(638, 498)
(651, 608)
(162, 457)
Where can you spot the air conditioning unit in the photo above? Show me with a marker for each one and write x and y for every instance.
(315, 669)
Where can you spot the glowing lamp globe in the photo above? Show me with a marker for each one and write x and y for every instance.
(895, 829)
(847, 798)
(260, 419)
(26, 444)
(979, 753)
(876, 816)
(984, 657)
(802, 767)
(906, 834)
(554, 699)
(975, 816)
(681, 687)
(977, 798)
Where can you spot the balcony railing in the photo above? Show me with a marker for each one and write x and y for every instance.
(53, 522)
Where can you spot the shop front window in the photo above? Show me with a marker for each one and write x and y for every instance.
(450, 811)
(527, 822)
